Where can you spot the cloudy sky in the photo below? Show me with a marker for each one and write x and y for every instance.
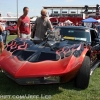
(10, 6)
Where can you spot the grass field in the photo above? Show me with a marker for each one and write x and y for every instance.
(9, 90)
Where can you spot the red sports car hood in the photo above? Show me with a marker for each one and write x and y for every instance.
(12, 65)
(25, 59)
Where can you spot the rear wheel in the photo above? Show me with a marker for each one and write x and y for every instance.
(82, 79)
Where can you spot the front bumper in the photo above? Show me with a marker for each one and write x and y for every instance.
(33, 81)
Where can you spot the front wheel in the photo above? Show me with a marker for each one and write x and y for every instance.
(82, 79)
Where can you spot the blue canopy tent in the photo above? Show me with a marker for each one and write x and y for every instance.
(89, 20)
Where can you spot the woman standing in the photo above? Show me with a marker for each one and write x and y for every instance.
(1, 40)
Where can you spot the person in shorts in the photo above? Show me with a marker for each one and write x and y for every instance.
(24, 27)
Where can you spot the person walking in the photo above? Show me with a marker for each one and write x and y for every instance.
(24, 27)
(41, 26)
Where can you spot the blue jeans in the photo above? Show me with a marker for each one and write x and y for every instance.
(4, 36)
(1, 38)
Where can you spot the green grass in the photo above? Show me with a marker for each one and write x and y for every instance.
(55, 91)
(10, 37)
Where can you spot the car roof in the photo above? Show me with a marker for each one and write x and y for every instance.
(75, 27)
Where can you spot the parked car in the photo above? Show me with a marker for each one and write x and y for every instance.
(12, 29)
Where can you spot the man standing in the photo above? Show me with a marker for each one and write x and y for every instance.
(41, 26)
(24, 28)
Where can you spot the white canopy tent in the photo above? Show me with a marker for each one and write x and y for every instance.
(98, 20)
(33, 19)
(68, 21)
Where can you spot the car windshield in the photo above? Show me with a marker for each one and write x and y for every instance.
(75, 34)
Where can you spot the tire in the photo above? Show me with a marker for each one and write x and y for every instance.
(83, 76)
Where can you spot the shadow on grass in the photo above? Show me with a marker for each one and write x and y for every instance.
(9, 87)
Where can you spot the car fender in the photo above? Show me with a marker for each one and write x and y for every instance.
(84, 53)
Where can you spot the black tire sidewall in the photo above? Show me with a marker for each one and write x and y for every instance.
(83, 76)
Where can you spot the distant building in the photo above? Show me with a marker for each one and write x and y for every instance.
(74, 13)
